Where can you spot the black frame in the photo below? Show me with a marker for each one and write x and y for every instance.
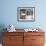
(19, 9)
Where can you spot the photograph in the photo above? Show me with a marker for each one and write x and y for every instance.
(26, 14)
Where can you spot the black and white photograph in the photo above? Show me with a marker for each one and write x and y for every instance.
(26, 13)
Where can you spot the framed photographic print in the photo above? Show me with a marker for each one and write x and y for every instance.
(26, 14)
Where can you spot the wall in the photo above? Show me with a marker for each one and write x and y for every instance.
(9, 13)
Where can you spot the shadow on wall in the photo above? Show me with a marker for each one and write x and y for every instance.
(2, 26)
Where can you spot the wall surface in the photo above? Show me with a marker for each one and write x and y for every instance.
(8, 13)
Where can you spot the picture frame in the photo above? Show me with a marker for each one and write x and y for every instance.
(26, 14)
